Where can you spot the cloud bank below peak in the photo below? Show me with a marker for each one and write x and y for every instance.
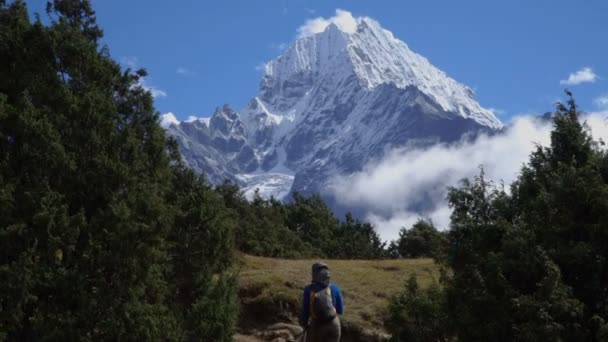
(390, 188)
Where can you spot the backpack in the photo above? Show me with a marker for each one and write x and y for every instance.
(321, 305)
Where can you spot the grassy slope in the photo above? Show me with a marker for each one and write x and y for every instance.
(367, 285)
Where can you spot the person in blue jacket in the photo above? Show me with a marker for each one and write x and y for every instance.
(321, 304)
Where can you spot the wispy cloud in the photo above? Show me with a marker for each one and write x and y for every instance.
(582, 76)
(343, 19)
(310, 10)
(391, 188)
(183, 71)
(602, 102)
(156, 92)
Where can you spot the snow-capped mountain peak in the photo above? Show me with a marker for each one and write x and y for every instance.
(375, 57)
(333, 101)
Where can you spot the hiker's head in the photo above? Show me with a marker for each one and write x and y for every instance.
(320, 273)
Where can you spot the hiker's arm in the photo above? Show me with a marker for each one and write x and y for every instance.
(305, 306)
(339, 302)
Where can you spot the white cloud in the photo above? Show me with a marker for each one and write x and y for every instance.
(389, 227)
(389, 188)
(343, 19)
(156, 93)
(168, 119)
(602, 102)
(582, 76)
(184, 71)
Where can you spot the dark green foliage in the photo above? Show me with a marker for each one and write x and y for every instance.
(203, 281)
(357, 240)
(422, 240)
(531, 265)
(90, 198)
(392, 251)
(419, 314)
(312, 220)
(261, 226)
(304, 228)
(504, 287)
(563, 196)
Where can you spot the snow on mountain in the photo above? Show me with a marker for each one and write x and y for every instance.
(331, 103)
(168, 119)
(375, 57)
(268, 185)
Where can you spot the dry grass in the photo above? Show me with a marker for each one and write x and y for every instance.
(367, 285)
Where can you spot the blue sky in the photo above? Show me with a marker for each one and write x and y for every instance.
(513, 54)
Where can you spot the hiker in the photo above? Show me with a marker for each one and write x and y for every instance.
(321, 305)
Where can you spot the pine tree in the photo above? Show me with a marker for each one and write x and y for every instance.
(562, 196)
(503, 286)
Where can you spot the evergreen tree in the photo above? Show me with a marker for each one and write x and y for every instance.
(419, 314)
(261, 225)
(530, 265)
(312, 220)
(562, 197)
(357, 240)
(422, 240)
(504, 287)
(203, 281)
(86, 220)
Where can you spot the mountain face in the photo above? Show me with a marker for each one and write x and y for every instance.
(330, 104)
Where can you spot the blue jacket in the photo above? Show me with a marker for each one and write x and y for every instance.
(336, 297)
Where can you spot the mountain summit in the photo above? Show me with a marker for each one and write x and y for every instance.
(330, 104)
(372, 56)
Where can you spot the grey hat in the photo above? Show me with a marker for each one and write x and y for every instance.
(320, 273)
(318, 266)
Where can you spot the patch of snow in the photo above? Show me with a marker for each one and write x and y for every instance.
(204, 121)
(275, 185)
